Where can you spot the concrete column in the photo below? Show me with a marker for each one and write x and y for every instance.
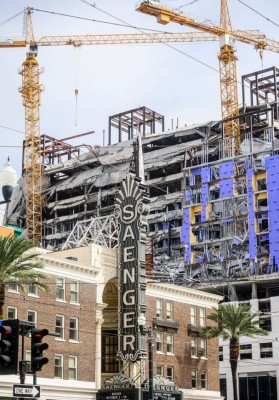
(98, 356)
(254, 290)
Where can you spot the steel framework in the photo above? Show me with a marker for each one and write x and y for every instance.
(99, 230)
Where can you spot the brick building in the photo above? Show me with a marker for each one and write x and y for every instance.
(82, 306)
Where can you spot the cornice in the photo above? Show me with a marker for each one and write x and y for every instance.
(171, 289)
(70, 265)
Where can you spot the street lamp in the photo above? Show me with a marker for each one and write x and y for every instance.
(8, 180)
(148, 332)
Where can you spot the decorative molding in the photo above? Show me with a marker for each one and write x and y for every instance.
(180, 294)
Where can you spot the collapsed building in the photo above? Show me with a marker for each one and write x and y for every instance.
(214, 212)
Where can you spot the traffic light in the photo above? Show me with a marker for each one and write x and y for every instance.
(9, 346)
(37, 349)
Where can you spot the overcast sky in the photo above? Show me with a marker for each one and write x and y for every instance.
(113, 79)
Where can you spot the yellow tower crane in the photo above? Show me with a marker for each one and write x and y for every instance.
(31, 89)
(227, 56)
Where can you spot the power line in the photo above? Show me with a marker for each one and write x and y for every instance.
(188, 4)
(257, 12)
(9, 19)
(96, 20)
(161, 41)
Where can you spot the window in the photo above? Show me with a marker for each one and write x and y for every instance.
(159, 310)
(203, 348)
(169, 310)
(73, 333)
(32, 290)
(159, 341)
(223, 387)
(194, 379)
(59, 326)
(13, 287)
(197, 179)
(203, 380)
(170, 343)
(194, 349)
(170, 373)
(72, 367)
(58, 366)
(261, 387)
(32, 316)
(109, 351)
(74, 292)
(221, 354)
(60, 289)
(160, 370)
(266, 350)
(245, 351)
(202, 316)
(28, 355)
(11, 313)
(193, 315)
(265, 323)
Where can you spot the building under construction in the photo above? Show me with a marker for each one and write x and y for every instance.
(214, 211)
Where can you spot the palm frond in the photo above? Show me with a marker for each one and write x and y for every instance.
(18, 264)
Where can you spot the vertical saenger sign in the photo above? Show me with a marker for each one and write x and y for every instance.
(131, 210)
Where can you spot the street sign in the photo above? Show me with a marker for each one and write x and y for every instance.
(118, 394)
(162, 395)
(30, 391)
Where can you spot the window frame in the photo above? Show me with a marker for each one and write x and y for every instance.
(109, 362)
(160, 367)
(263, 347)
(159, 309)
(221, 353)
(76, 293)
(75, 368)
(16, 290)
(159, 343)
(246, 352)
(10, 308)
(170, 335)
(74, 330)
(203, 348)
(169, 310)
(193, 315)
(27, 355)
(60, 289)
(194, 349)
(202, 317)
(60, 356)
(170, 376)
(204, 380)
(35, 314)
(62, 327)
(194, 378)
(35, 289)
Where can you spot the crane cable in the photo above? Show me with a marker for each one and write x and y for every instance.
(77, 61)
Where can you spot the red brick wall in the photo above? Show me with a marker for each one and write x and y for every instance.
(47, 307)
(181, 361)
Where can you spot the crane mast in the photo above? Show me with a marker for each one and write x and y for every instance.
(228, 83)
(31, 95)
(227, 57)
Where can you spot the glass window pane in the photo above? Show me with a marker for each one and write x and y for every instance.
(58, 366)
(11, 313)
(60, 289)
(74, 292)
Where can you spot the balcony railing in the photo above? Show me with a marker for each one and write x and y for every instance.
(194, 328)
(165, 323)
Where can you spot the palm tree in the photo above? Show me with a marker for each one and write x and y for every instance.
(233, 322)
(19, 266)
